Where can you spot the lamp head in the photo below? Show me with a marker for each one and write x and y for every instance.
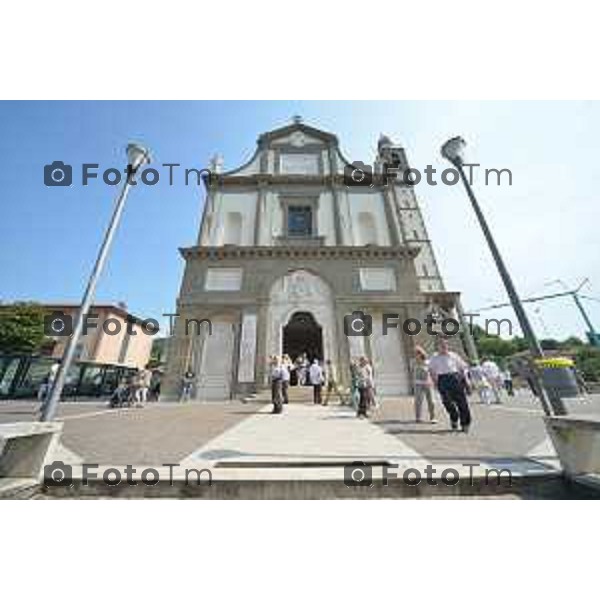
(137, 156)
(453, 150)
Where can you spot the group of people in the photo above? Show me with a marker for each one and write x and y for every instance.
(455, 380)
(321, 376)
(132, 390)
(489, 381)
(315, 374)
(135, 390)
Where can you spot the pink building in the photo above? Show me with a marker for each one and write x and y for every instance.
(117, 338)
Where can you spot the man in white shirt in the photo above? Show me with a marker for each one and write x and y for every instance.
(315, 376)
(449, 372)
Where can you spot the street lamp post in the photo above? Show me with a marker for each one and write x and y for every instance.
(137, 156)
(452, 150)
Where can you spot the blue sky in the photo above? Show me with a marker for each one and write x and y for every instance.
(546, 223)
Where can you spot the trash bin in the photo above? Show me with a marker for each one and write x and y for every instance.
(558, 376)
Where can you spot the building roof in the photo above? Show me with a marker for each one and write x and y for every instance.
(119, 308)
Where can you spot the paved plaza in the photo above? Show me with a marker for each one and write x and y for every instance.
(241, 441)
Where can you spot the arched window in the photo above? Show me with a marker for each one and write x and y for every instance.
(367, 228)
(233, 228)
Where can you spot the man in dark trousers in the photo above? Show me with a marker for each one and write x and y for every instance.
(315, 377)
(449, 373)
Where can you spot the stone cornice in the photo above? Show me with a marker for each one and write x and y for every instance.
(220, 181)
(300, 252)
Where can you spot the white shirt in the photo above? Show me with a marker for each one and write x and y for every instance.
(277, 373)
(478, 376)
(365, 376)
(421, 373)
(490, 368)
(315, 374)
(442, 364)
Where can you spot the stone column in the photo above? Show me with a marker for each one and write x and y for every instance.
(260, 212)
(207, 218)
(336, 201)
(390, 216)
(246, 372)
(262, 323)
(398, 212)
(259, 221)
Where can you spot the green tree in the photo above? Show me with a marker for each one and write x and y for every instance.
(550, 344)
(587, 360)
(572, 342)
(21, 327)
(496, 347)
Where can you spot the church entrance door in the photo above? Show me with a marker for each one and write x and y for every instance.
(303, 335)
(300, 318)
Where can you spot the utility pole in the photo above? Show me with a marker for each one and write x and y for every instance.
(593, 335)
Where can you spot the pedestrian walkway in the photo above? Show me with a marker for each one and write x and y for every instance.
(322, 439)
(249, 449)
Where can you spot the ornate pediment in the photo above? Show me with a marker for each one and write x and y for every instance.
(297, 135)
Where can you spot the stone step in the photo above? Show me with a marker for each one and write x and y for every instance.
(295, 394)
(257, 484)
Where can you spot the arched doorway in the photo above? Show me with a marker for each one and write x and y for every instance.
(303, 335)
(303, 294)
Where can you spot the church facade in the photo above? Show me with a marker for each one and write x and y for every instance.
(299, 253)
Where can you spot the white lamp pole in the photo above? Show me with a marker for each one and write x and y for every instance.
(453, 150)
(137, 156)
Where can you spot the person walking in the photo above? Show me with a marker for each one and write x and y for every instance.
(303, 372)
(354, 391)
(43, 394)
(286, 370)
(143, 379)
(331, 385)
(508, 382)
(365, 386)
(448, 371)
(187, 386)
(423, 386)
(480, 383)
(155, 385)
(276, 377)
(492, 372)
(315, 377)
